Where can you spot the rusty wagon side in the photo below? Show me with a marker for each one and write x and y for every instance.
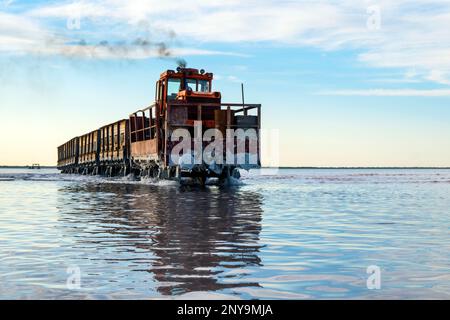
(103, 151)
(68, 155)
(88, 157)
(113, 152)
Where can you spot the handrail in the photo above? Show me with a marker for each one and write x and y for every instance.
(143, 110)
(143, 129)
(247, 106)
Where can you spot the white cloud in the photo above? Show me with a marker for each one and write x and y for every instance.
(87, 9)
(29, 34)
(126, 52)
(394, 80)
(235, 79)
(389, 93)
(413, 34)
(222, 21)
(20, 34)
(438, 76)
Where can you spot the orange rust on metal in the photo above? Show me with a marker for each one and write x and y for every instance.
(144, 148)
(185, 95)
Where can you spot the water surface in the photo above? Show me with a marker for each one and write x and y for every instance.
(291, 234)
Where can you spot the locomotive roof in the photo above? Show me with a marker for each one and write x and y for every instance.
(187, 72)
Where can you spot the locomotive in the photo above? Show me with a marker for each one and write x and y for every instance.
(188, 132)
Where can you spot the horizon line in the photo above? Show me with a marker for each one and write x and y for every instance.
(280, 167)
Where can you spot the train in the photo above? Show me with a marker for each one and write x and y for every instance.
(188, 132)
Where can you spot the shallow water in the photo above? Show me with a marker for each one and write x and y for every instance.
(291, 234)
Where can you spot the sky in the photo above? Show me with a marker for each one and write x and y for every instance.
(342, 83)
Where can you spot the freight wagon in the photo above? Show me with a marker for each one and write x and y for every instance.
(187, 132)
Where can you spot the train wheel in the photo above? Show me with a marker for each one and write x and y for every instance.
(236, 174)
(201, 180)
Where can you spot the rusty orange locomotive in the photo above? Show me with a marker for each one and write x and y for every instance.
(186, 111)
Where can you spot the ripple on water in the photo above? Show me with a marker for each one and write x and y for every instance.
(298, 234)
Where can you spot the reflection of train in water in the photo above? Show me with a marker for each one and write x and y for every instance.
(175, 247)
(143, 143)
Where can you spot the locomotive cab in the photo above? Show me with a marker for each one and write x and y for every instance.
(186, 85)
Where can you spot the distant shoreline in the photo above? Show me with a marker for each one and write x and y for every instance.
(380, 168)
(26, 167)
(302, 168)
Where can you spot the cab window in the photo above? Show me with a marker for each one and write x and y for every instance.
(173, 87)
(203, 86)
(191, 83)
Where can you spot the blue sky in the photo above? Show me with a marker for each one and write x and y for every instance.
(346, 83)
